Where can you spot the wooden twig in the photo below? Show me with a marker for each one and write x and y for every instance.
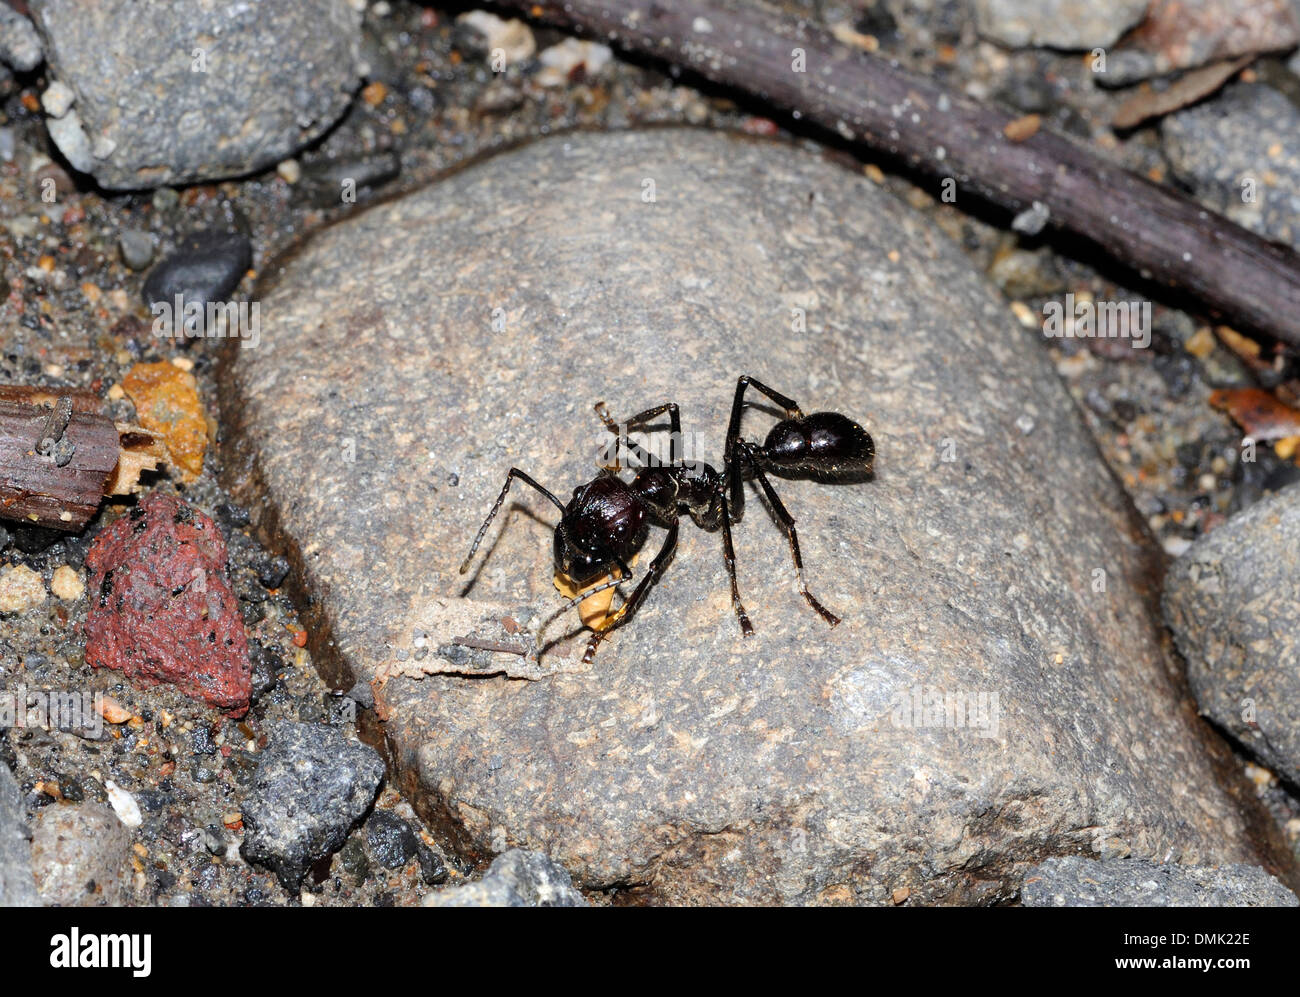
(1152, 229)
(59, 457)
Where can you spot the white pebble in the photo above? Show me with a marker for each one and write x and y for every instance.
(123, 804)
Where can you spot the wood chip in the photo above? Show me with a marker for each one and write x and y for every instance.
(1190, 87)
(1261, 415)
(1022, 129)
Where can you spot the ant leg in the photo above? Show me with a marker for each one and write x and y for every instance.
(729, 556)
(674, 424)
(733, 443)
(787, 521)
(514, 473)
(629, 608)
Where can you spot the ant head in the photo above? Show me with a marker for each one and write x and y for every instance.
(577, 564)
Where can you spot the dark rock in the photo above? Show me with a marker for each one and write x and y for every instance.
(81, 856)
(311, 786)
(206, 267)
(331, 182)
(1232, 601)
(266, 669)
(34, 539)
(392, 842)
(1080, 882)
(202, 742)
(790, 767)
(160, 608)
(270, 78)
(517, 878)
(17, 888)
(271, 570)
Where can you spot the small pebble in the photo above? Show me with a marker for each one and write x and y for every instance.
(137, 248)
(21, 589)
(123, 804)
(57, 99)
(67, 584)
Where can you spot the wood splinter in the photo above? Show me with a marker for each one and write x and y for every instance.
(59, 456)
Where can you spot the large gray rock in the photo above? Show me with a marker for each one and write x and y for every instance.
(1233, 602)
(1065, 24)
(1239, 153)
(191, 90)
(81, 856)
(17, 888)
(992, 556)
(516, 878)
(1081, 882)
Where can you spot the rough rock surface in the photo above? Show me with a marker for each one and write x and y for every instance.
(1240, 155)
(1233, 603)
(993, 555)
(81, 856)
(311, 786)
(1080, 882)
(1065, 24)
(245, 84)
(17, 888)
(161, 609)
(20, 45)
(1181, 34)
(516, 878)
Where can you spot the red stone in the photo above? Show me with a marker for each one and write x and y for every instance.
(161, 609)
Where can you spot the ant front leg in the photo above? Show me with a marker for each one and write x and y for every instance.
(732, 465)
(783, 514)
(514, 473)
(674, 426)
(729, 557)
(629, 608)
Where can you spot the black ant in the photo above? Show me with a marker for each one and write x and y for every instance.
(607, 520)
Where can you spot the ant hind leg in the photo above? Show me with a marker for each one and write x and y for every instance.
(787, 521)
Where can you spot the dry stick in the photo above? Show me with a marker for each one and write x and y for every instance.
(1159, 233)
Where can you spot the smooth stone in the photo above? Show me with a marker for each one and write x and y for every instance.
(81, 856)
(372, 429)
(1074, 881)
(205, 267)
(246, 85)
(311, 786)
(1232, 601)
(17, 887)
(1063, 24)
(137, 248)
(516, 878)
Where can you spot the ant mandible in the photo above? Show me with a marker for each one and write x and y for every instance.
(607, 520)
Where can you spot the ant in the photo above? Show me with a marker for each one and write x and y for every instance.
(607, 520)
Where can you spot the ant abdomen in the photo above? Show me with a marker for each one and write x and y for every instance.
(824, 444)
